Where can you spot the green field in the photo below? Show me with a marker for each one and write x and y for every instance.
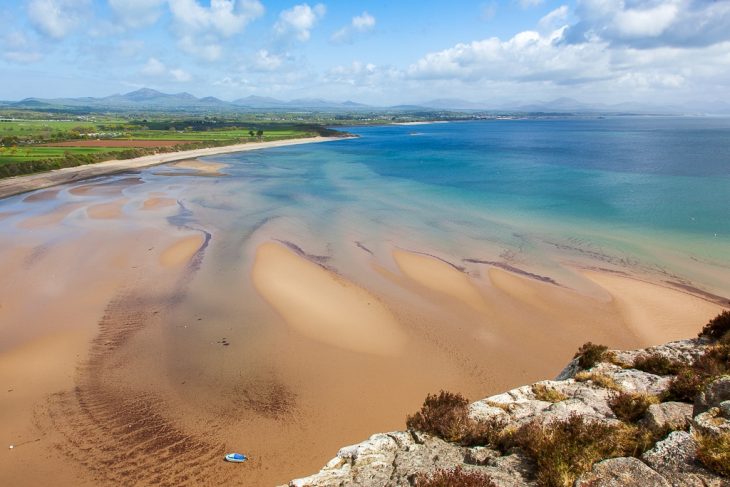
(26, 145)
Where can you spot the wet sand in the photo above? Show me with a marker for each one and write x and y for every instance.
(159, 347)
(31, 182)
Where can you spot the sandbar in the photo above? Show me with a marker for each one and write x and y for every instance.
(181, 251)
(324, 306)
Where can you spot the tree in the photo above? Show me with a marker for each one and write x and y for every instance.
(260, 134)
(251, 133)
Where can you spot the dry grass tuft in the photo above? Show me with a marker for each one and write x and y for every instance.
(454, 477)
(714, 452)
(601, 380)
(589, 354)
(548, 394)
(565, 449)
(630, 406)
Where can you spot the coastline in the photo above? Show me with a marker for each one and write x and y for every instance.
(31, 182)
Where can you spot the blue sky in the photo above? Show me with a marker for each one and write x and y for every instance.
(380, 52)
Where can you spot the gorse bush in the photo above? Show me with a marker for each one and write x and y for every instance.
(589, 354)
(630, 406)
(454, 477)
(657, 364)
(718, 327)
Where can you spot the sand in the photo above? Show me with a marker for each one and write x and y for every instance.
(22, 184)
(206, 168)
(440, 276)
(323, 306)
(107, 211)
(158, 202)
(180, 253)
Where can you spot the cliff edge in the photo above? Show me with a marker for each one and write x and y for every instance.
(658, 416)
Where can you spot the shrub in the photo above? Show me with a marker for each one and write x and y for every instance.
(630, 406)
(714, 452)
(565, 449)
(443, 415)
(545, 393)
(446, 415)
(690, 380)
(657, 364)
(589, 354)
(453, 477)
(718, 327)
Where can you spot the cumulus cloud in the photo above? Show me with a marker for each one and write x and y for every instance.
(137, 13)
(299, 21)
(554, 19)
(154, 68)
(57, 18)
(267, 61)
(359, 24)
(224, 17)
(650, 23)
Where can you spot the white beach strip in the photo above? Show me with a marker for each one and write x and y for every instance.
(32, 182)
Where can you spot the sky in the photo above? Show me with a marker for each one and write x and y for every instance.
(371, 51)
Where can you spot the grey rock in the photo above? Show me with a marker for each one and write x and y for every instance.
(632, 380)
(621, 472)
(569, 371)
(675, 458)
(711, 422)
(725, 409)
(716, 392)
(479, 455)
(668, 415)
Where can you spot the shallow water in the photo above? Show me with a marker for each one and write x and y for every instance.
(508, 215)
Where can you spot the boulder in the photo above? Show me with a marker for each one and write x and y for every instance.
(675, 458)
(621, 472)
(711, 422)
(713, 394)
(668, 416)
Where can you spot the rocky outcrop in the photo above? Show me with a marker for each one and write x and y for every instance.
(396, 458)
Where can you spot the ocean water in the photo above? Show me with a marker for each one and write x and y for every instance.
(647, 195)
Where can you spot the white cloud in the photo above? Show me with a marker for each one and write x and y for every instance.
(267, 61)
(554, 19)
(206, 48)
(154, 68)
(224, 17)
(359, 24)
(57, 18)
(137, 13)
(299, 20)
(530, 3)
(17, 47)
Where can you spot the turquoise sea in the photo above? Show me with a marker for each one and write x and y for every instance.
(649, 195)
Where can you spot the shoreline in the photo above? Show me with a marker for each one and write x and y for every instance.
(30, 182)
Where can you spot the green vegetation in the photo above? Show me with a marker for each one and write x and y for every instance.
(453, 477)
(657, 364)
(589, 354)
(31, 143)
(630, 406)
(718, 328)
(714, 452)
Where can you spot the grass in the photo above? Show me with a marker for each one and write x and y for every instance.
(453, 477)
(657, 364)
(690, 380)
(630, 406)
(32, 153)
(565, 449)
(714, 452)
(601, 380)
(548, 394)
(589, 354)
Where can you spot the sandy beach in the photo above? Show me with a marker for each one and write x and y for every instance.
(164, 341)
(31, 182)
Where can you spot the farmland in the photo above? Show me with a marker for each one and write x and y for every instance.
(35, 144)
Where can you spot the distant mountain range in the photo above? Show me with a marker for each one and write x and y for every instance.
(149, 99)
